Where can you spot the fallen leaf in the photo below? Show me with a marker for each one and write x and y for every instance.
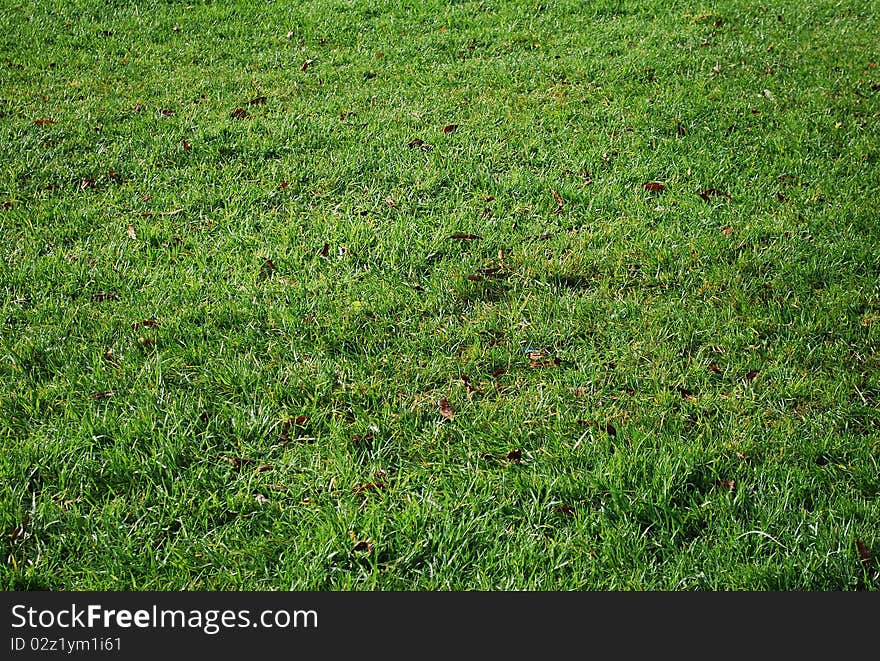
(265, 468)
(306, 65)
(43, 122)
(166, 112)
(361, 438)
(268, 267)
(146, 342)
(258, 101)
(105, 296)
(7, 205)
(137, 107)
(87, 183)
(489, 272)
(445, 409)
(261, 499)
(362, 545)
(186, 146)
(468, 385)
(291, 34)
(390, 202)
(686, 393)
(751, 375)
(610, 429)
(131, 233)
(780, 196)
(105, 394)
(560, 203)
(864, 554)
(514, 457)
(681, 130)
(564, 509)
(709, 193)
(465, 237)
(18, 533)
(324, 251)
(655, 187)
(727, 230)
(237, 462)
(541, 359)
(298, 421)
(741, 456)
(144, 323)
(240, 113)
(110, 357)
(450, 128)
(714, 368)
(283, 184)
(419, 143)
(369, 486)
(730, 485)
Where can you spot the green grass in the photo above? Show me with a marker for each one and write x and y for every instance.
(649, 390)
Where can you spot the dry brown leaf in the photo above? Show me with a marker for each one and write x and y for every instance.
(864, 554)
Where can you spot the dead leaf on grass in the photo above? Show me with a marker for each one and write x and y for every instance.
(369, 486)
(268, 267)
(445, 409)
(420, 144)
(709, 193)
(360, 544)
(560, 203)
(864, 555)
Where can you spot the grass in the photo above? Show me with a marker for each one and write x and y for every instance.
(669, 389)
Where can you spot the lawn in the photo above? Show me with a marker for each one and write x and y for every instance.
(347, 295)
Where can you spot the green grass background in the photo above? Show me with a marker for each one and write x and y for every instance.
(702, 414)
